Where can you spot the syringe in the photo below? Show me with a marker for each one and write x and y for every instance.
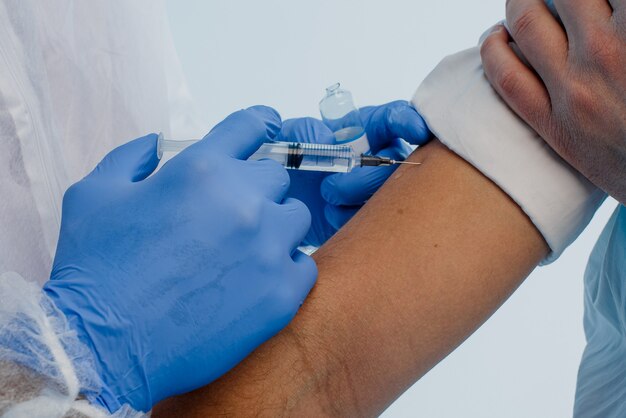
(300, 156)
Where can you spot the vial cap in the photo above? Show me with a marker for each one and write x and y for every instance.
(332, 89)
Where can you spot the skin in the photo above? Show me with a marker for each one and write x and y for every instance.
(427, 260)
(574, 91)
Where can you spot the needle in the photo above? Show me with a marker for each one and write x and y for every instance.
(405, 162)
(374, 161)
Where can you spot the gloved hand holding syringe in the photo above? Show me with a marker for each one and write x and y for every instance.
(342, 117)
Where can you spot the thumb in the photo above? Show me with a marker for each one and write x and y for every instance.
(394, 120)
(133, 161)
(356, 187)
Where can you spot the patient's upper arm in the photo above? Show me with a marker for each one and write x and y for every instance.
(430, 257)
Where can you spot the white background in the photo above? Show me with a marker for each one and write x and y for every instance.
(235, 53)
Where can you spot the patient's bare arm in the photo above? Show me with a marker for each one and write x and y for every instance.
(433, 254)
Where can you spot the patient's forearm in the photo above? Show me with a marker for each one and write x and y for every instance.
(424, 264)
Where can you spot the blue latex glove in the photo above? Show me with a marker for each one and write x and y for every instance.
(171, 280)
(333, 199)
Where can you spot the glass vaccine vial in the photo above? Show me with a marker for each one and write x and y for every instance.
(343, 118)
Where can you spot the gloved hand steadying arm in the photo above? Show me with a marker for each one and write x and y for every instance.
(171, 280)
(333, 199)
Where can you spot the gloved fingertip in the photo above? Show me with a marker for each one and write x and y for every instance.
(328, 190)
(270, 116)
(133, 161)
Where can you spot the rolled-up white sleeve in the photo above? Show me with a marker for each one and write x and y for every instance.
(467, 115)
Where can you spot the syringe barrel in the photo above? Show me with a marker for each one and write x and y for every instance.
(291, 155)
(309, 157)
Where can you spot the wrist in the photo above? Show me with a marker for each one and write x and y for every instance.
(313, 361)
(99, 393)
(52, 364)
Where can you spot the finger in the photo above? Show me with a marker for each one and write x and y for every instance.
(295, 222)
(338, 216)
(393, 120)
(579, 16)
(133, 161)
(306, 130)
(618, 6)
(539, 36)
(305, 275)
(356, 187)
(270, 177)
(619, 15)
(518, 86)
(240, 134)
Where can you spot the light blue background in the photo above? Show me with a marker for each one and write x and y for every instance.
(523, 362)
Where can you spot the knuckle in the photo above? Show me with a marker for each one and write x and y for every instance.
(247, 217)
(525, 24)
(601, 51)
(509, 81)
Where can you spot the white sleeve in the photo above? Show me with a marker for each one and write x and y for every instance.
(44, 369)
(467, 115)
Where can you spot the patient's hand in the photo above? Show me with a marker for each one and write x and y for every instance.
(576, 97)
(334, 199)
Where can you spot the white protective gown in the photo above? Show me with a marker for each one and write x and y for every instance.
(77, 78)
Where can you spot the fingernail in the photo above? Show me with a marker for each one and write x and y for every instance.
(496, 29)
